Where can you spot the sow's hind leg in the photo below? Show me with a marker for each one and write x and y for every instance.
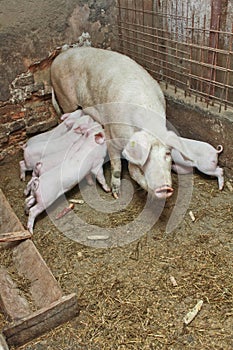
(65, 97)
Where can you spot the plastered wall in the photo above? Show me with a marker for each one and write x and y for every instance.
(30, 30)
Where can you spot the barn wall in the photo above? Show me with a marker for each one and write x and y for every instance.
(29, 32)
(188, 47)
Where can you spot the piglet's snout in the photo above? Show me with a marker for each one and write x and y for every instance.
(164, 192)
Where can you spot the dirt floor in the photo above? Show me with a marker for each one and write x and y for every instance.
(127, 294)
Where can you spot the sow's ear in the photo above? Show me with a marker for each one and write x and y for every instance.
(138, 148)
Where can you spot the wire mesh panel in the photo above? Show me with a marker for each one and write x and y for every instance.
(184, 43)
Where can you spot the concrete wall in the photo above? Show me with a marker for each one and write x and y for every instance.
(194, 120)
(29, 31)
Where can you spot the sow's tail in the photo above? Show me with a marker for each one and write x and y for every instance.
(55, 104)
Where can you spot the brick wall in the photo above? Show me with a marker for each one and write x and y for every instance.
(28, 36)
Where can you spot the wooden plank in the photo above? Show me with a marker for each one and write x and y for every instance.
(9, 222)
(29, 263)
(3, 344)
(14, 236)
(12, 303)
(42, 321)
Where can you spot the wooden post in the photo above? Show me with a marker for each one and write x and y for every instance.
(218, 9)
(14, 236)
(42, 321)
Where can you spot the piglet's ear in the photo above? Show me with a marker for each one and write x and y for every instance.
(65, 116)
(69, 123)
(38, 165)
(81, 129)
(99, 138)
(138, 148)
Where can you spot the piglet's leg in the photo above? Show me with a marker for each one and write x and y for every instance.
(29, 202)
(28, 187)
(23, 169)
(218, 172)
(33, 213)
(89, 180)
(98, 172)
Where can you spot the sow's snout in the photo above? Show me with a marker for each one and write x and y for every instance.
(164, 192)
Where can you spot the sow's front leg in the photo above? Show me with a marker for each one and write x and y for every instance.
(137, 175)
(115, 161)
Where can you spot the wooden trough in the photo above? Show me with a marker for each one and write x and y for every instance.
(32, 312)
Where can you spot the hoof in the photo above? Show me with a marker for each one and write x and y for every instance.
(115, 195)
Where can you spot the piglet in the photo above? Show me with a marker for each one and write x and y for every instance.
(80, 162)
(36, 151)
(51, 160)
(68, 120)
(203, 156)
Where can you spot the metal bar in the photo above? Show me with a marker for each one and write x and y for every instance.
(207, 65)
(141, 58)
(175, 46)
(216, 83)
(202, 54)
(119, 26)
(149, 12)
(173, 16)
(195, 62)
(157, 51)
(209, 30)
(184, 52)
(223, 51)
(215, 98)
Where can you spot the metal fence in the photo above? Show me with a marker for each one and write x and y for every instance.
(188, 48)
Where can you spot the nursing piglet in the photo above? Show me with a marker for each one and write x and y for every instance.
(58, 146)
(204, 158)
(88, 158)
(51, 160)
(68, 120)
